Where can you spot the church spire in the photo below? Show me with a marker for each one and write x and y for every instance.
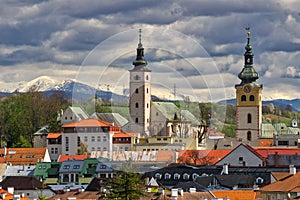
(140, 60)
(248, 74)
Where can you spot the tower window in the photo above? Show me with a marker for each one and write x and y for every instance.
(252, 98)
(147, 91)
(147, 77)
(136, 90)
(243, 98)
(136, 105)
(249, 138)
(136, 77)
(249, 118)
(147, 105)
(136, 120)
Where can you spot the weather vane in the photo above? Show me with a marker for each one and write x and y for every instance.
(248, 29)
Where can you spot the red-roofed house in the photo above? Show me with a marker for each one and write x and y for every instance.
(24, 156)
(63, 158)
(95, 133)
(122, 142)
(54, 145)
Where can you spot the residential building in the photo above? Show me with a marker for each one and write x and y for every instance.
(243, 155)
(285, 188)
(248, 101)
(94, 133)
(140, 93)
(47, 172)
(122, 141)
(26, 186)
(54, 145)
(73, 114)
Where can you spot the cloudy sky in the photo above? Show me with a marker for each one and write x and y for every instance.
(195, 46)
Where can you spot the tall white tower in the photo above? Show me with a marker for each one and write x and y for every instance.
(140, 93)
(248, 100)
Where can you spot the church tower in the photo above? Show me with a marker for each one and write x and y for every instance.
(140, 93)
(248, 100)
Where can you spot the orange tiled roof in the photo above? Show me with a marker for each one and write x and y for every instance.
(265, 142)
(121, 135)
(9, 196)
(22, 156)
(62, 158)
(204, 156)
(286, 185)
(53, 135)
(280, 175)
(88, 123)
(235, 194)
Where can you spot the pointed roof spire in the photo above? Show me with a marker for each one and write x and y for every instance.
(248, 74)
(140, 60)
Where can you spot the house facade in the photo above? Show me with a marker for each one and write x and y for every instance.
(94, 133)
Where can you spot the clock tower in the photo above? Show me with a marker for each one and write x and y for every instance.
(248, 100)
(140, 93)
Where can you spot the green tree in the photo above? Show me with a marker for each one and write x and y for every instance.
(125, 186)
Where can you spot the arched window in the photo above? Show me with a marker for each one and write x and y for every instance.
(249, 118)
(136, 120)
(136, 90)
(252, 98)
(136, 105)
(243, 98)
(249, 136)
(136, 77)
(147, 77)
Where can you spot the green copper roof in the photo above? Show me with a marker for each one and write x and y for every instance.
(248, 73)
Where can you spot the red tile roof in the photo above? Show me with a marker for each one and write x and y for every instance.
(88, 123)
(235, 194)
(285, 185)
(203, 156)
(121, 135)
(22, 156)
(53, 135)
(62, 158)
(264, 152)
(265, 142)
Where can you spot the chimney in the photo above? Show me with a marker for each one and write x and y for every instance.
(5, 151)
(180, 191)
(192, 190)
(174, 192)
(225, 169)
(292, 170)
(10, 190)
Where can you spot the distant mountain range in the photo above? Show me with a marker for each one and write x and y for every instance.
(281, 103)
(81, 92)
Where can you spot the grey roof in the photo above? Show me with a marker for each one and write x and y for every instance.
(20, 170)
(187, 115)
(112, 118)
(22, 183)
(294, 130)
(79, 112)
(71, 166)
(169, 110)
(42, 131)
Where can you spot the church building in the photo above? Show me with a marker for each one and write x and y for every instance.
(248, 100)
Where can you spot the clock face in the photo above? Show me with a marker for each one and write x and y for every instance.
(247, 88)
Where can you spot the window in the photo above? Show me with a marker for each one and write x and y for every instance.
(249, 118)
(241, 159)
(249, 138)
(67, 143)
(167, 176)
(104, 148)
(195, 175)
(243, 98)
(85, 138)
(78, 141)
(137, 105)
(56, 151)
(136, 77)
(158, 176)
(147, 90)
(93, 139)
(76, 166)
(176, 176)
(104, 139)
(252, 98)
(136, 120)
(66, 167)
(136, 90)
(147, 77)
(98, 148)
(186, 176)
(93, 148)
(98, 138)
